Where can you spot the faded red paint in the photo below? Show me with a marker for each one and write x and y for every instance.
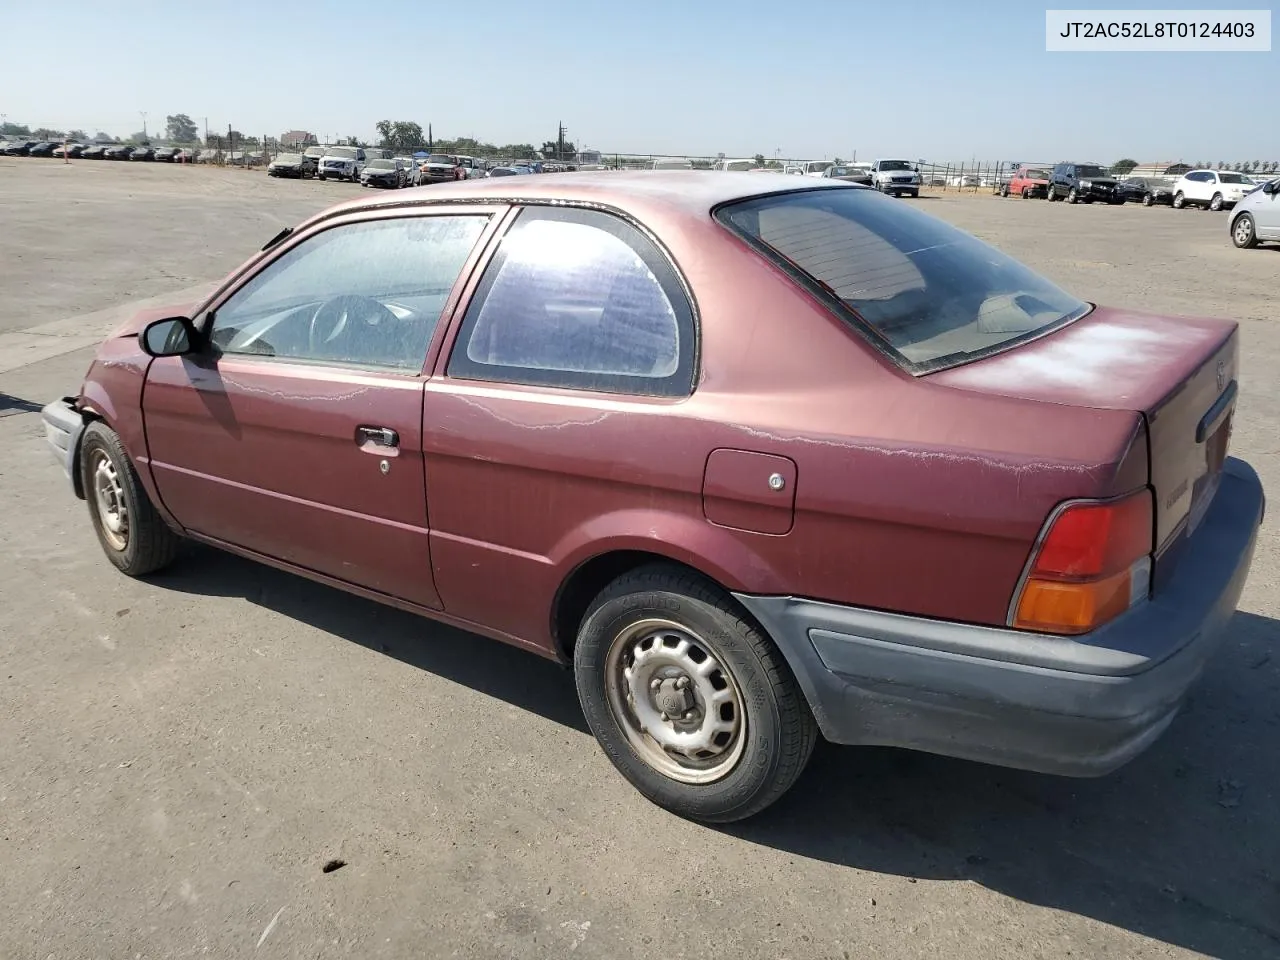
(919, 495)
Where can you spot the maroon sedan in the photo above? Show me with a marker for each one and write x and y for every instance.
(763, 460)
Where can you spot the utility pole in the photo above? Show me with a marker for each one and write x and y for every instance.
(560, 141)
(143, 114)
(206, 131)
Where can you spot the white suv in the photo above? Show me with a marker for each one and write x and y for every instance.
(342, 163)
(1211, 189)
(897, 177)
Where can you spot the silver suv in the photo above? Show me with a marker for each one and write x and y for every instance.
(1257, 216)
(342, 163)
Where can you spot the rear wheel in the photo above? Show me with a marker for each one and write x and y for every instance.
(131, 532)
(1216, 203)
(1147, 200)
(1179, 200)
(1050, 194)
(1243, 232)
(1072, 195)
(1004, 191)
(691, 703)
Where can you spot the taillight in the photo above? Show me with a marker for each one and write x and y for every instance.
(1092, 564)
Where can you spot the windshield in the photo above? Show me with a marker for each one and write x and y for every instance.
(342, 153)
(1232, 178)
(440, 158)
(933, 295)
(1085, 171)
(1037, 174)
(381, 164)
(894, 165)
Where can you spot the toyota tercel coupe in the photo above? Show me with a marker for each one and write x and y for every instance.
(762, 458)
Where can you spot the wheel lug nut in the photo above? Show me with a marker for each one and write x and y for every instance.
(664, 716)
(655, 683)
(682, 683)
(688, 715)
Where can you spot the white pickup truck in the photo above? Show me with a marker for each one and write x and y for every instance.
(897, 177)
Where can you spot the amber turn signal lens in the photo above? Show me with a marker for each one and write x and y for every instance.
(1054, 606)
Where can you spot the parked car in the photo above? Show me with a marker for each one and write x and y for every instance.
(1146, 190)
(1257, 216)
(439, 168)
(44, 148)
(1209, 189)
(121, 151)
(184, 155)
(342, 163)
(1081, 183)
(412, 172)
(18, 148)
(94, 151)
(523, 169)
(72, 150)
(471, 168)
(383, 173)
(734, 166)
(314, 153)
(848, 174)
(296, 165)
(142, 153)
(1032, 570)
(670, 163)
(1027, 183)
(898, 177)
(163, 154)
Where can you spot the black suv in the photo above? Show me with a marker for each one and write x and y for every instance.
(1085, 182)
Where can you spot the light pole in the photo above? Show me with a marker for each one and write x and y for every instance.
(143, 115)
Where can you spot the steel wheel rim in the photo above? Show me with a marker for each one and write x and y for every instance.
(1244, 230)
(654, 666)
(108, 493)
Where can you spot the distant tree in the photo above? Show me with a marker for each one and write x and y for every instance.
(551, 149)
(759, 159)
(141, 139)
(105, 136)
(15, 130)
(1123, 167)
(1221, 164)
(44, 133)
(77, 135)
(180, 128)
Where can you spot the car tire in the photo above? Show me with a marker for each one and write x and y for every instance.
(1147, 200)
(1179, 200)
(1050, 194)
(321, 176)
(672, 627)
(1216, 203)
(1026, 193)
(1004, 191)
(134, 537)
(1073, 196)
(1244, 234)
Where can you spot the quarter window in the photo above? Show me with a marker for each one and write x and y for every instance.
(363, 294)
(578, 299)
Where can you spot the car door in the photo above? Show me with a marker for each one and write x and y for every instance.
(1265, 208)
(295, 432)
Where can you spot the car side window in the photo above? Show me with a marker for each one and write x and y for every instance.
(364, 294)
(583, 300)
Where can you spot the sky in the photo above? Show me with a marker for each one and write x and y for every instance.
(920, 79)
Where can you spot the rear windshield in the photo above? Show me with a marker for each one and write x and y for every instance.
(931, 295)
(342, 153)
(440, 158)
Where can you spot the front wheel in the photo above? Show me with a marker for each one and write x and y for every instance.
(1179, 200)
(132, 534)
(1147, 200)
(1243, 233)
(690, 702)
(1049, 193)
(1072, 195)
(1216, 203)
(1004, 191)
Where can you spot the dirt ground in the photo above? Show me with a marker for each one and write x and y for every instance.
(180, 758)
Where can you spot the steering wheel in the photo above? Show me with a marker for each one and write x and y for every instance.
(338, 315)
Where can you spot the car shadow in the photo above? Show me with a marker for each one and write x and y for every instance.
(1182, 845)
(514, 676)
(10, 405)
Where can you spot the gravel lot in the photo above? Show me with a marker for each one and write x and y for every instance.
(180, 758)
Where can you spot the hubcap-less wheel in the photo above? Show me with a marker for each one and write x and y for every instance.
(113, 512)
(679, 707)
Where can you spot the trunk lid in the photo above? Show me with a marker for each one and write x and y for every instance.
(1178, 373)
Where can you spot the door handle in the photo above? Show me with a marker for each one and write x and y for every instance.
(381, 436)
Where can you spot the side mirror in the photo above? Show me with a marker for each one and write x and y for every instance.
(1271, 187)
(171, 337)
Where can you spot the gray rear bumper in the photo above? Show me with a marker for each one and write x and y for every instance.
(1074, 706)
(63, 427)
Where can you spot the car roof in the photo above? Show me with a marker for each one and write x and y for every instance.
(657, 193)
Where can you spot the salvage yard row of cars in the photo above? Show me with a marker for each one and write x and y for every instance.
(1255, 210)
(95, 151)
(580, 454)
